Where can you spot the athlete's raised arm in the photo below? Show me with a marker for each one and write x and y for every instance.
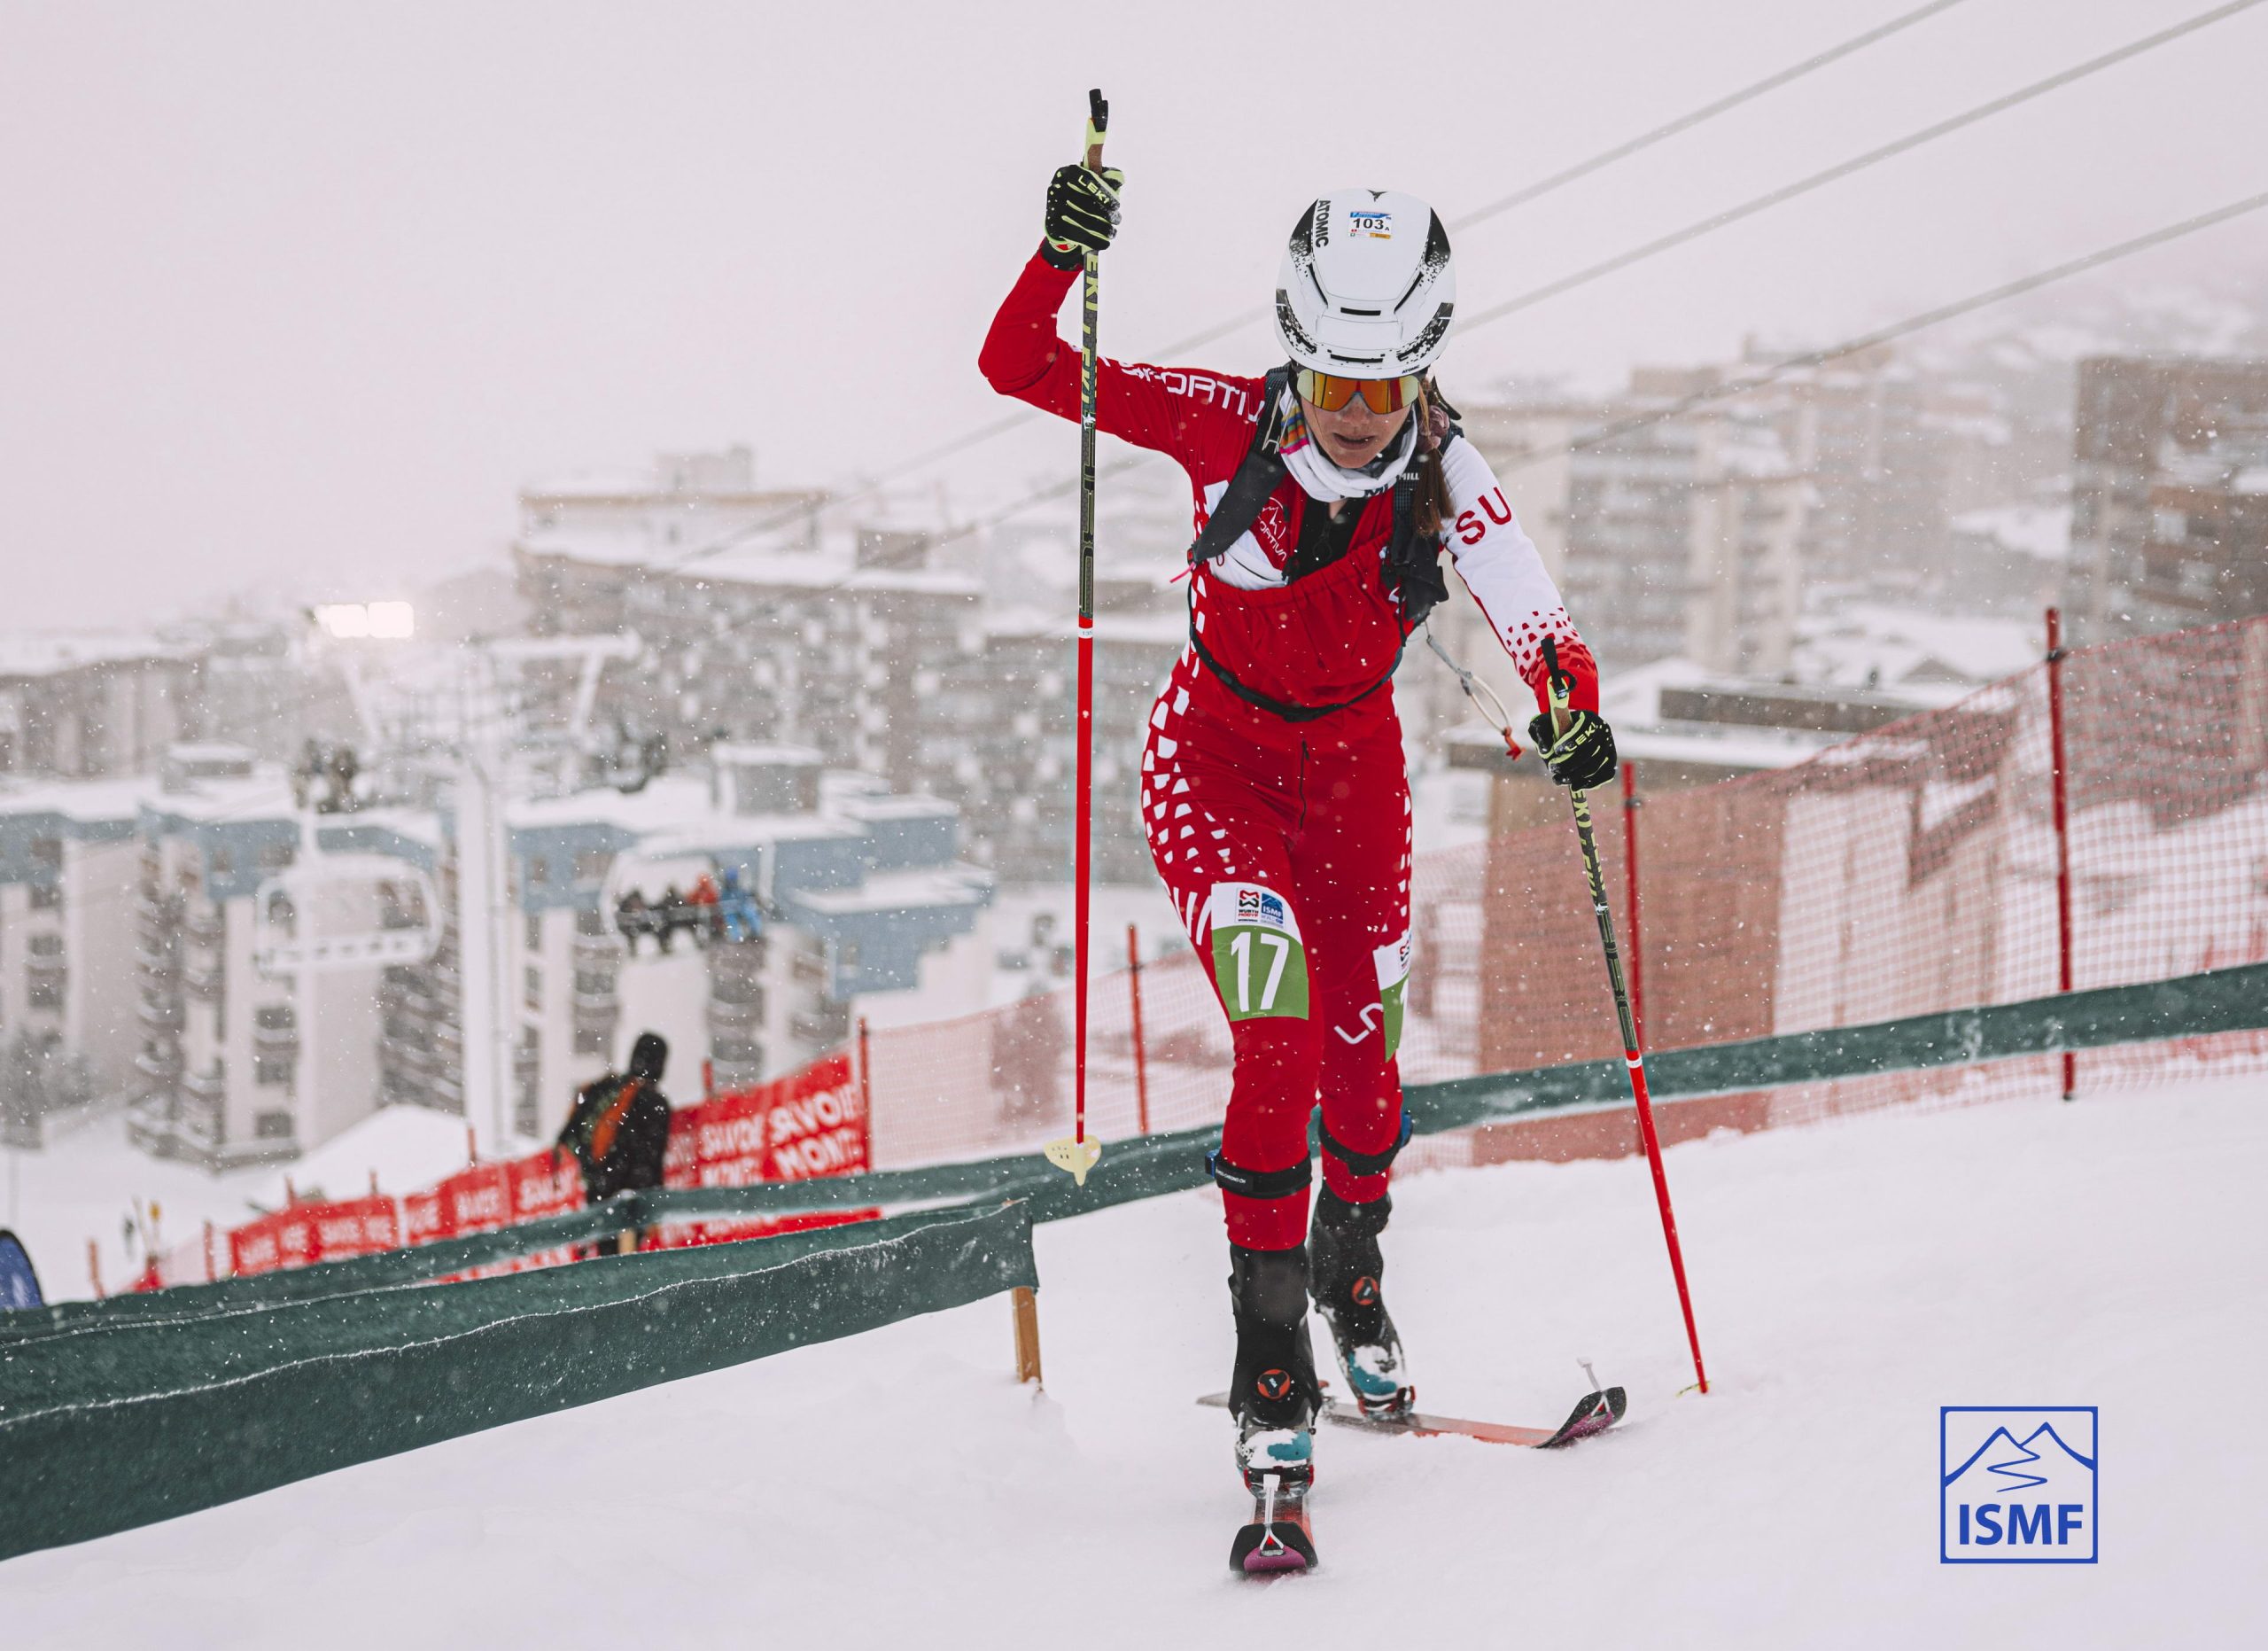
(1178, 410)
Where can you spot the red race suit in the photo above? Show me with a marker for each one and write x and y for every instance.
(1286, 842)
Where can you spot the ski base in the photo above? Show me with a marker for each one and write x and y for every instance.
(1278, 1540)
(1595, 1413)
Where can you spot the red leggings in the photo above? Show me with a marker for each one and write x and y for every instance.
(1285, 847)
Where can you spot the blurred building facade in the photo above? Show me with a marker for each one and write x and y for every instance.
(2168, 495)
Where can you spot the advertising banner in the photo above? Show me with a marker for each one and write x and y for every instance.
(810, 1123)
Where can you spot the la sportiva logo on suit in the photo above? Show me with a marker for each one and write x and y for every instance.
(1227, 395)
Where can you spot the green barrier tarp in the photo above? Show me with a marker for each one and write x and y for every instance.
(2229, 999)
(131, 1423)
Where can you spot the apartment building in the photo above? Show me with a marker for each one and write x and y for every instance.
(241, 1060)
(2168, 495)
(875, 638)
(69, 865)
(843, 887)
(823, 636)
(80, 706)
(1684, 536)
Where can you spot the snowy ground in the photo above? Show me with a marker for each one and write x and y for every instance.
(900, 1489)
(86, 1186)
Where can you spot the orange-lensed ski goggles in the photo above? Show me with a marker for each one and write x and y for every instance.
(1381, 395)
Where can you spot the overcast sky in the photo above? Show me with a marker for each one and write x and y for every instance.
(296, 296)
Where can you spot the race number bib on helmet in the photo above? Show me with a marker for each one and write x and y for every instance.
(1258, 961)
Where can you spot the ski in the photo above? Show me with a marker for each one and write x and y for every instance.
(1594, 1412)
(1279, 1539)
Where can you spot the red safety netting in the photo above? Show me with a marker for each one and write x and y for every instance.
(1901, 872)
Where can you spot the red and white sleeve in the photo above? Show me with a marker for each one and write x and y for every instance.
(1500, 566)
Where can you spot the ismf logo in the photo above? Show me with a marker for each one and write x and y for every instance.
(1256, 904)
(2017, 1486)
(1377, 225)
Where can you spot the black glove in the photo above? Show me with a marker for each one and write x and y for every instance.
(1584, 757)
(1082, 213)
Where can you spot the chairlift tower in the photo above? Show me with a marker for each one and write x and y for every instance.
(489, 736)
(491, 729)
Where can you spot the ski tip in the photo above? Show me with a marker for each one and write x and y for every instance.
(1594, 1412)
(1270, 1550)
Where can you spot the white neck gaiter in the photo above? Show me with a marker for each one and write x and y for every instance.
(1323, 479)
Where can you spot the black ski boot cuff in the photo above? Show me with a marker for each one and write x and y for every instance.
(1353, 1220)
(1275, 1378)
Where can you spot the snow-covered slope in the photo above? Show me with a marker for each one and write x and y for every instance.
(899, 1490)
(86, 1185)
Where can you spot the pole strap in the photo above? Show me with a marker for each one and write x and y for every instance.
(1259, 1183)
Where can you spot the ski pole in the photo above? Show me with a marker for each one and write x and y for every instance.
(1561, 687)
(1078, 1154)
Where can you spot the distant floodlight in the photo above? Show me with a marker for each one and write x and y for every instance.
(395, 620)
(344, 619)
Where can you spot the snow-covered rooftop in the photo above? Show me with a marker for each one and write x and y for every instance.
(2042, 532)
(677, 808)
(92, 801)
(264, 794)
(44, 653)
(901, 891)
(1475, 745)
(1934, 656)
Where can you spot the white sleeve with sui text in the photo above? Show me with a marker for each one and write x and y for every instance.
(1498, 561)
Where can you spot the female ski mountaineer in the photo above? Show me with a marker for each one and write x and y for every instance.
(1273, 794)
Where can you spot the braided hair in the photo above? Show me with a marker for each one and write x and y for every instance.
(1435, 415)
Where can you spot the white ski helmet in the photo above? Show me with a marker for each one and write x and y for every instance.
(1367, 286)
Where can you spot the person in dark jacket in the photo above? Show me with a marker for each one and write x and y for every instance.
(619, 1131)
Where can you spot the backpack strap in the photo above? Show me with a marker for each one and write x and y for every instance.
(1256, 477)
(1410, 568)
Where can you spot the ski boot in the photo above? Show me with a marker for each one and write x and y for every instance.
(1347, 1267)
(1273, 1395)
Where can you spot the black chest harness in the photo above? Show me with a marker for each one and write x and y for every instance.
(1410, 568)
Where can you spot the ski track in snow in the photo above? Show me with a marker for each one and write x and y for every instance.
(1849, 1277)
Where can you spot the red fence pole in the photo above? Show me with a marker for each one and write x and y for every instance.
(1134, 1000)
(2059, 772)
(1630, 884)
(865, 1074)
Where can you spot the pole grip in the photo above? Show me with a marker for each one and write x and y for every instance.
(1560, 686)
(1098, 123)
